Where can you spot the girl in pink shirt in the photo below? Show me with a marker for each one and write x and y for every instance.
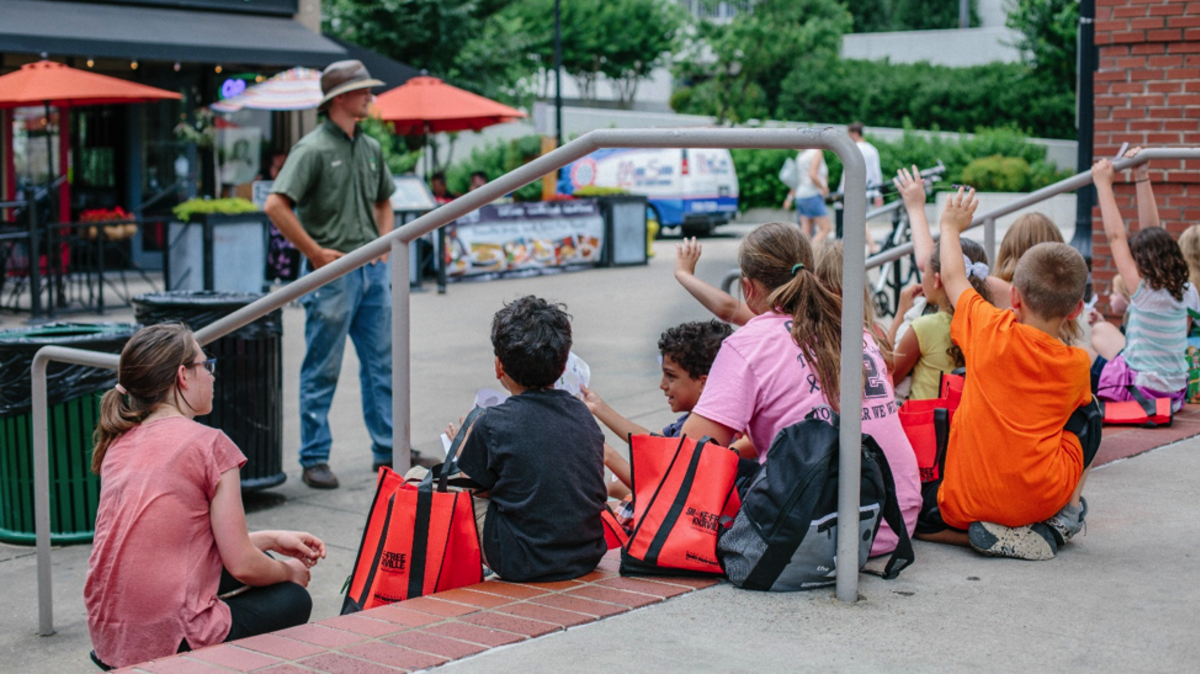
(171, 533)
(785, 362)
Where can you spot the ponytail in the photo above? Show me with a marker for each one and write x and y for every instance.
(816, 328)
(116, 417)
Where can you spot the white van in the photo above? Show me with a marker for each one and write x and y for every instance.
(694, 189)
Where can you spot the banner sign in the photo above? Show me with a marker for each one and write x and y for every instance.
(525, 238)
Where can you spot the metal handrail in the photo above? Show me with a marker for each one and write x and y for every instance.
(396, 244)
(988, 219)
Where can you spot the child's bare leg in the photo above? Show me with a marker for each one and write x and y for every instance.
(1107, 340)
(823, 227)
(948, 537)
(1078, 493)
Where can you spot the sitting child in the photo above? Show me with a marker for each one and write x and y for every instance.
(539, 455)
(1151, 354)
(687, 353)
(926, 350)
(1014, 482)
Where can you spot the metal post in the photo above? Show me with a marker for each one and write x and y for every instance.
(401, 372)
(989, 240)
(440, 263)
(558, 58)
(41, 465)
(34, 248)
(850, 400)
(41, 496)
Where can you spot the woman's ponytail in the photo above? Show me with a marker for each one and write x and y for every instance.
(116, 417)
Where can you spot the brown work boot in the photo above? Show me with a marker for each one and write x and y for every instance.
(319, 477)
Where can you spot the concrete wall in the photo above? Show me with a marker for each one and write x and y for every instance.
(958, 47)
(1148, 93)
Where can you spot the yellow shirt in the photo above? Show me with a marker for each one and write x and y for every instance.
(933, 337)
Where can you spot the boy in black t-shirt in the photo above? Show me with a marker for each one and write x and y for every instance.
(539, 454)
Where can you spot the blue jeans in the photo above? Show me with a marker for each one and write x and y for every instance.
(358, 304)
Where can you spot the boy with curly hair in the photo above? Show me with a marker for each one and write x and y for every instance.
(539, 454)
(687, 352)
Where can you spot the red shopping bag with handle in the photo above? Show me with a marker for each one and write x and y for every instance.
(614, 533)
(683, 493)
(927, 425)
(420, 538)
(1141, 411)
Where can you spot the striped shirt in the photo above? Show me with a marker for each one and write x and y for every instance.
(1156, 337)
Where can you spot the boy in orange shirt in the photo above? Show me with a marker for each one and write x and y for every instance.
(1027, 429)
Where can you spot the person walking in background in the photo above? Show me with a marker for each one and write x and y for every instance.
(874, 174)
(809, 195)
(330, 198)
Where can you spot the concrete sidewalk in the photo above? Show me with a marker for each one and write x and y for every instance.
(1117, 600)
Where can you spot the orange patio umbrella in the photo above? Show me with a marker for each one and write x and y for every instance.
(55, 84)
(428, 105)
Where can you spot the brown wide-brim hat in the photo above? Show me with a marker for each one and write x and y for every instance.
(344, 76)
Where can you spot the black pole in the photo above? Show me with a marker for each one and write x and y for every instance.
(558, 73)
(1087, 59)
(35, 279)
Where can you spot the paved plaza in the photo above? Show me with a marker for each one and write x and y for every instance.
(1120, 599)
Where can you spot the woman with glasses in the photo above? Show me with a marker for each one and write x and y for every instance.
(173, 567)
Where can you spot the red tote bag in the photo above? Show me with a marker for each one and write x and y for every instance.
(683, 492)
(1141, 411)
(927, 425)
(419, 540)
(614, 533)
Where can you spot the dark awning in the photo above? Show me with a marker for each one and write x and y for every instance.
(116, 31)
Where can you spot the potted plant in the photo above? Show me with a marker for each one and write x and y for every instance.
(217, 244)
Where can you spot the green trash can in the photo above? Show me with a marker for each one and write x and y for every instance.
(73, 393)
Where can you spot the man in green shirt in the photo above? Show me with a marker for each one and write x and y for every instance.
(331, 197)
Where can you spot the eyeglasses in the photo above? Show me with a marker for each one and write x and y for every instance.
(210, 365)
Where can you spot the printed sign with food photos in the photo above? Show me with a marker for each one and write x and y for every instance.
(525, 238)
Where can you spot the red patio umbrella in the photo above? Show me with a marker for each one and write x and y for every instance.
(55, 84)
(428, 105)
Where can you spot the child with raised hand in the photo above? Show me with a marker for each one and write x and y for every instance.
(1151, 353)
(926, 351)
(911, 187)
(1022, 438)
(722, 305)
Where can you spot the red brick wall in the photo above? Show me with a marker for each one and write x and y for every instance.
(1148, 93)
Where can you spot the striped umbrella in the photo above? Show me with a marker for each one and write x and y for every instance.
(295, 89)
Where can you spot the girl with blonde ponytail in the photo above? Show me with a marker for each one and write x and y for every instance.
(171, 538)
(786, 362)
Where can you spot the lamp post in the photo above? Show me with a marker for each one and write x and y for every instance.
(558, 73)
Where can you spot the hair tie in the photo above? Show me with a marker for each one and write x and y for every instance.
(796, 267)
(977, 269)
(121, 390)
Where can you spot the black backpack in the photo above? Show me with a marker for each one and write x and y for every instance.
(785, 536)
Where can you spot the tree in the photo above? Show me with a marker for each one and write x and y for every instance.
(1048, 31)
(738, 67)
(870, 16)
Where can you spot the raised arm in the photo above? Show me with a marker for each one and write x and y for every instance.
(960, 210)
(912, 188)
(1114, 225)
(1146, 205)
(723, 305)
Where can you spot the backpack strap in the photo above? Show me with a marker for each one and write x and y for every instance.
(903, 555)
(1148, 406)
(1086, 422)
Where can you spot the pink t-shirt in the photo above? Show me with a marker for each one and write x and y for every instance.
(154, 570)
(760, 382)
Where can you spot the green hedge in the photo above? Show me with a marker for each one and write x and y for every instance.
(880, 93)
(994, 160)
